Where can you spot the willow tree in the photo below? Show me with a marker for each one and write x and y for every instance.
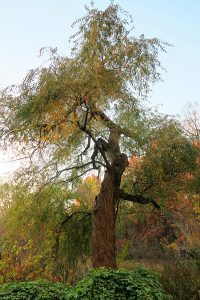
(69, 112)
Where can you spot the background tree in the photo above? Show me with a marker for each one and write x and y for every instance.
(39, 233)
(168, 173)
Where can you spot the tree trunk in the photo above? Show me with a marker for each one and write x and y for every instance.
(103, 225)
(103, 218)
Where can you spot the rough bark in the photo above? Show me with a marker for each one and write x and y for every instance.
(103, 217)
(103, 225)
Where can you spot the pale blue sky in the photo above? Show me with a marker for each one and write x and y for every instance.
(28, 25)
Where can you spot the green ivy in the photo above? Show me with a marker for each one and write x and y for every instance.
(38, 290)
(101, 284)
(104, 284)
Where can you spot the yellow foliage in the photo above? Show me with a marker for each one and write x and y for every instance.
(196, 209)
(59, 125)
(173, 246)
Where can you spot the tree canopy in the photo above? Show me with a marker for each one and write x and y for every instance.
(67, 104)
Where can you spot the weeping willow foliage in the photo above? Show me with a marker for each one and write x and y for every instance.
(108, 65)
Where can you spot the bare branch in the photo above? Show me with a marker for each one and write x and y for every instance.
(138, 199)
(72, 178)
(14, 160)
(59, 172)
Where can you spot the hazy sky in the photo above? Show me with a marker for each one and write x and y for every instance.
(28, 25)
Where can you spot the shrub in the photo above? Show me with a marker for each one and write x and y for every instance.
(101, 284)
(182, 281)
(38, 290)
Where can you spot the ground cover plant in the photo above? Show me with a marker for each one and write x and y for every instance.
(101, 284)
(139, 284)
(37, 290)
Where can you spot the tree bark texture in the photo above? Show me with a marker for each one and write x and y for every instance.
(103, 218)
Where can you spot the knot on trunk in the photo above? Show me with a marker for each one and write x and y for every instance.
(118, 167)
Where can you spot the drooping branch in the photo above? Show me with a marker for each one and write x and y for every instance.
(81, 215)
(60, 226)
(138, 199)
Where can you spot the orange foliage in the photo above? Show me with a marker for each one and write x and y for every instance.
(196, 143)
(154, 145)
(198, 161)
(135, 161)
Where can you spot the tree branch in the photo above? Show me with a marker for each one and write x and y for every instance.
(73, 168)
(87, 147)
(96, 143)
(110, 124)
(138, 199)
(59, 227)
(74, 177)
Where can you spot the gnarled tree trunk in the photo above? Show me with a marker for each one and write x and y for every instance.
(103, 218)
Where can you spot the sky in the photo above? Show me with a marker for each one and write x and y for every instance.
(28, 25)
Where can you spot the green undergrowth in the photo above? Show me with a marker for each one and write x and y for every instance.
(182, 281)
(101, 284)
(122, 284)
(35, 290)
